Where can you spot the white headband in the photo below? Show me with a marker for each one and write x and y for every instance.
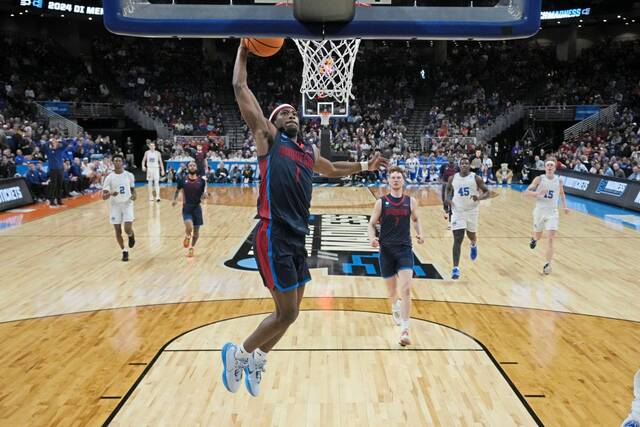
(275, 112)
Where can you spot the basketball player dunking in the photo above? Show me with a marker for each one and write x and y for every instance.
(463, 197)
(119, 186)
(286, 166)
(396, 252)
(152, 163)
(193, 186)
(547, 189)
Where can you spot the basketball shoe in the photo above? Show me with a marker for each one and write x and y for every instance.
(190, 253)
(405, 339)
(232, 367)
(253, 371)
(474, 252)
(546, 269)
(455, 273)
(633, 420)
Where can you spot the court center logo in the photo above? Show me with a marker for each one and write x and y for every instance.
(339, 243)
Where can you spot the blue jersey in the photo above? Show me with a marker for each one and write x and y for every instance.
(54, 156)
(286, 186)
(192, 190)
(395, 221)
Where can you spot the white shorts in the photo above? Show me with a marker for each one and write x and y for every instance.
(121, 212)
(545, 219)
(461, 220)
(153, 174)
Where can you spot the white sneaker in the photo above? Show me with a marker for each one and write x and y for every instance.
(395, 312)
(405, 339)
(254, 370)
(232, 367)
(158, 199)
(630, 422)
(633, 420)
(547, 268)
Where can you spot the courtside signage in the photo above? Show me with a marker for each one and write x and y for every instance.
(612, 188)
(576, 183)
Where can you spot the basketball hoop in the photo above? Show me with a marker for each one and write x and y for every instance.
(324, 118)
(328, 67)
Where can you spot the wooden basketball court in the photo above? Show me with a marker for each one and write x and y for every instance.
(90, 340)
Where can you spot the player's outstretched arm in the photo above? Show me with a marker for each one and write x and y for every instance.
(144, 162)
(340, 169)
(251, 112)
(416, 221)
(375, 217)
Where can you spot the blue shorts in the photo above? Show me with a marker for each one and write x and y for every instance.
(281, 256)
(192, 213)
(394, 258)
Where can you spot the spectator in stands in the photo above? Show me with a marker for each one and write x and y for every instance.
(222, 174)
(37, 155)
(606, 170)
(247, 174)
(635, 175)
(635, 155)
(19, 158)
(476, 163)
(7, 166)
(580, 167)
(129, 151)
(37, 187)
(76, 171)
(617, 171)
(538, 164)
(43, 176)
(235, 175)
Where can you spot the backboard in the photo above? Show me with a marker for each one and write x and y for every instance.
(387, 19)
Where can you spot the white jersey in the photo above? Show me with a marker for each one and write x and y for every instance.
(120, 183)
(463, 188)
(551, 187)
(153, 159)
(412, 164)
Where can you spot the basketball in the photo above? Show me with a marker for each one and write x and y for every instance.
(264, 47)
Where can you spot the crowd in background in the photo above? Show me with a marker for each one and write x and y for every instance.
(477, 83)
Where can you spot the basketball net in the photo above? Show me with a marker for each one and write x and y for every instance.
(324, 118)
(328, 68)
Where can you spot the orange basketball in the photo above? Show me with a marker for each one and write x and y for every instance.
(263, 47)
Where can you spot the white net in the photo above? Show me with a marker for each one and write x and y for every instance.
(328, 67)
